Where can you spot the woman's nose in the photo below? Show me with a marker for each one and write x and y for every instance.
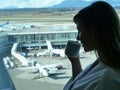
(78, 36)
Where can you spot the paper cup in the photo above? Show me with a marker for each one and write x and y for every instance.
(72, 49)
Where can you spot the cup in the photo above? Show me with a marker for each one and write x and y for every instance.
(72, 49)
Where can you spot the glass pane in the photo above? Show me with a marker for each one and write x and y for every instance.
(33, 37)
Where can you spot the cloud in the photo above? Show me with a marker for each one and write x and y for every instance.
(28, 3)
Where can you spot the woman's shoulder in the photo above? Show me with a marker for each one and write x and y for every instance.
(111, 75)
(110, 80)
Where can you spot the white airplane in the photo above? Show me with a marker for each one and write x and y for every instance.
(43, 53)
(60, 52)
(6, 23)
(30, 48)
(48, 69)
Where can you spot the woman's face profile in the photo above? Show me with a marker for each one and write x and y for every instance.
(85, 36)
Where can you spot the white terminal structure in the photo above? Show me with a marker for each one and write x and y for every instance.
(34, 36)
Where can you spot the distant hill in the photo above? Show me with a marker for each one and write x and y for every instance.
(82, 3)
(66, 5)
(71, 3)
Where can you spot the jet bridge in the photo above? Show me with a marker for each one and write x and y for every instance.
(20, 57)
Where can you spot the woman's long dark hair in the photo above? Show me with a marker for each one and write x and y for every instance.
(101, 19)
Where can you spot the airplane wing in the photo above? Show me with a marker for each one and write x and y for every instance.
(59, 51)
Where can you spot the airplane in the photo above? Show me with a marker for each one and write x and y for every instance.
(7, 26)
(46, 70)
(60, 52)
(51, 51)
(43, 53)
(2, 26)
(6, 23)
(30, 48)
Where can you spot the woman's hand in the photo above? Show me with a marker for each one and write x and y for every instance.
(76, 66)
(74, 59)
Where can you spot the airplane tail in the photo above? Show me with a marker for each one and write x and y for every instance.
(49, 45)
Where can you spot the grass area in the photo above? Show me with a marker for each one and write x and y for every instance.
(36, 15)
(37, 18)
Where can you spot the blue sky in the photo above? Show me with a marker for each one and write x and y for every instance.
(28, 3)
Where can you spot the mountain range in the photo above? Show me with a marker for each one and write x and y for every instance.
(74, 3)
(82, 3)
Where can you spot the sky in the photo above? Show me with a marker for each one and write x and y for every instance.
(28, 3)
(33, 3)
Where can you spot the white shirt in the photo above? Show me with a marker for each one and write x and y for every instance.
(98, 78)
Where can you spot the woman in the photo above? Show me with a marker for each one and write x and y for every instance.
(99, 30)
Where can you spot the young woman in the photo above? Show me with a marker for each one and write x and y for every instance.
(99, 30)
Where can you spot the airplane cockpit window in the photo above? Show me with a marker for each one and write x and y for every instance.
(33, 38)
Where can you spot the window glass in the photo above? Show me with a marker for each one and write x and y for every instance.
(33, 37)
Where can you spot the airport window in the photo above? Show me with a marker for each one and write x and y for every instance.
(33, 41)
(36, 37)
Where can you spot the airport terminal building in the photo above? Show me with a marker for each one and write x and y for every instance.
(35, 37)
(5, 43)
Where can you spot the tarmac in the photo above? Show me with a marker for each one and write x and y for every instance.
(25, 79)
